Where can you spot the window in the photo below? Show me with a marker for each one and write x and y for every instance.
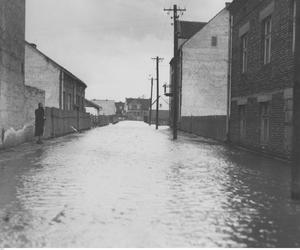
(242, 114)
(65, 100)
(244, 53)
(78, 100)
(69, 102)
(214, 41)
(133, 107)
(289, 112)
(265, 122)
(267, 25)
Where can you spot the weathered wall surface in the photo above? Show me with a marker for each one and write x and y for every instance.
(33, 96)
(205, 70)
(13, 137)
(73, 93)
(42, 74)
(100, 120)
(272, 83)
(12, 88)
(213, 127)
(108, 107)
(163, 117)
(12, 33)
(62, 122)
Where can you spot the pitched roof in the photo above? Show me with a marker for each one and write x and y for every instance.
(91, 104)
(188, 29)
(33, 46)
(108, 106)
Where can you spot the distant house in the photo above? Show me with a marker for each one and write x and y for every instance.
(63, 90)
(92, 108)
(163, 117)
(120, 109)
(137, 109)
(108, 107)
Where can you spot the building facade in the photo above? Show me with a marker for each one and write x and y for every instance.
(17, 101)
(202, 78)
(262, 75)
(120, 109)
(63, 90)
(92, 108)
(12, 88)
(108, 107)
(137, 109)
(186, 30)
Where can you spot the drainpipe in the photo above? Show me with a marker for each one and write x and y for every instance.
(61, 90)
(2, 135)
(296, 110)
(229, 79)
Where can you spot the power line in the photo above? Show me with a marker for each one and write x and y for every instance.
(158, 60)
(175, 17)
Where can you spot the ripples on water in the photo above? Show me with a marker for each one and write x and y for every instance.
(131, 186)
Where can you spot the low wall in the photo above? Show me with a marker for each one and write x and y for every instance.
(9, 136)
(163, 117)
(63, 122)
(208, 126)
(100, 121)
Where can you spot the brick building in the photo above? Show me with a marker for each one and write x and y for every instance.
(137, 109)
(63, 90)
(262, 75)
(17, 101)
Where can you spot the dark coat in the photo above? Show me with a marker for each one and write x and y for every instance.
(39, 121)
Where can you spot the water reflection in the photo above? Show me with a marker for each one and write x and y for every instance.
(131, 186)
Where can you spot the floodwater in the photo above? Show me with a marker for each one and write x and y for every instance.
(129, 185)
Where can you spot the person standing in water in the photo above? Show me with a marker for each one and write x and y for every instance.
(39, 122)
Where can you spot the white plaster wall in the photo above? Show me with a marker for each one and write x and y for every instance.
(42, 74)
(108, 107)
(205, 70)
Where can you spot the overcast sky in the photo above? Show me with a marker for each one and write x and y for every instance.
(109, 43)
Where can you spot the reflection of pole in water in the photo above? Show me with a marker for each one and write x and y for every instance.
(296, 108)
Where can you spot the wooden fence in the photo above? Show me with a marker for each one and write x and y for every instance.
(62, 122)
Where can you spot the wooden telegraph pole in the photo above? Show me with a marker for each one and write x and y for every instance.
(151, 100)
(158, 60)
(175, 84)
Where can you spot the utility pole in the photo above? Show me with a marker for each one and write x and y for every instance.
(151, 100)
(175, 84)
(158, 60)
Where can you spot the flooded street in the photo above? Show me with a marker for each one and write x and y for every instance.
(131, 186)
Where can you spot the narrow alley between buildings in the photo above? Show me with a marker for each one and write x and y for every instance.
(129, 185)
